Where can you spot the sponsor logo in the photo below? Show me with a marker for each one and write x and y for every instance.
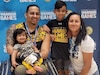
(89, 30)
(47, 15)
(5, 15)
(88, 13)
(27, 0)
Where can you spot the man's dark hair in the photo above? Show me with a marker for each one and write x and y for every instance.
(59, 4)
(31, 6)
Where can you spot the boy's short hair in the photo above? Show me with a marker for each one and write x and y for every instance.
(60, 4)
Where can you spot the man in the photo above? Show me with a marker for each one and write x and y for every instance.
(40, 38)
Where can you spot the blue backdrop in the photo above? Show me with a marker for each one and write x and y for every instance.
(12, 11)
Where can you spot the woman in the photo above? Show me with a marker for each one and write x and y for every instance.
(82, 47)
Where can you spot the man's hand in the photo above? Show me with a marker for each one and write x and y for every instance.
(45, 27)
(32, 58)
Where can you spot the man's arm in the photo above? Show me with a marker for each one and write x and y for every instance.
(9, 39)
(45, 48)
(13, 58)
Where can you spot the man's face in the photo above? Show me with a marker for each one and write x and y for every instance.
(33, 15)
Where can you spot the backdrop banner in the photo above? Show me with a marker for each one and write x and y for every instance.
(12, 11)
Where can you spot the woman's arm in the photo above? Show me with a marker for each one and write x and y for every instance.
(87, 60)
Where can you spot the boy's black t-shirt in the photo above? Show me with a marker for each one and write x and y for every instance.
(59, 48)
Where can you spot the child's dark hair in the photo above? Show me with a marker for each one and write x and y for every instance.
(16, 32)
(59, 4)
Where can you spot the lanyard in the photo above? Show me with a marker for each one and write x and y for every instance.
(72, 44)
(35, 36)
(73, 47)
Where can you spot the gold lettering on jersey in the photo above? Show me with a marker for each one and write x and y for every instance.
(41, 33)
(60, 34)
(20, 25)
(39, 36)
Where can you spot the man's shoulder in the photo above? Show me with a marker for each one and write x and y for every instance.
(19, 25)
(40, 29)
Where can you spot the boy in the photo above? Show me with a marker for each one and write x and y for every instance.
(58, 31)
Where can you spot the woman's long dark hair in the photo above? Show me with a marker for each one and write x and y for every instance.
(16, 32)
(82, 33)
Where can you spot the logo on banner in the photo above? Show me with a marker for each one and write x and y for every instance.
(27, 0)
(6, 0)
(5, 15)
(89, 30)
(88, 13)
(47, 15)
